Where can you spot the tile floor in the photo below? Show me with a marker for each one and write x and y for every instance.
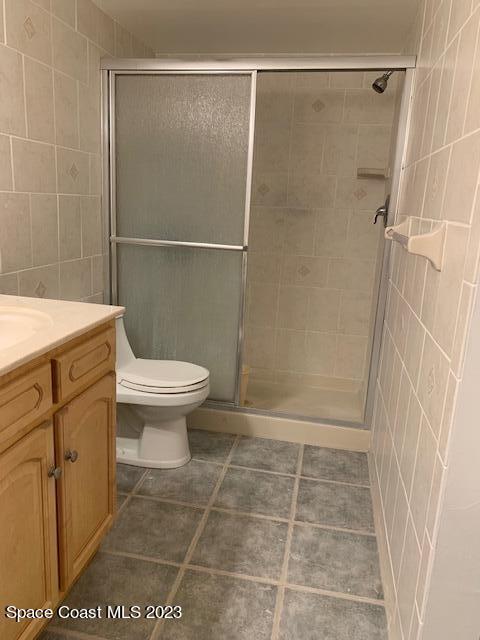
(255, 539)
(306, 401)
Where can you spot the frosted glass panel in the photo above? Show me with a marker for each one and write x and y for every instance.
(183, 304)
(181, 154)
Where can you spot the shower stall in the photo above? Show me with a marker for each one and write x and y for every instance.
(240, 199)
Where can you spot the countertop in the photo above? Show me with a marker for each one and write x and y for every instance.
(65, 321)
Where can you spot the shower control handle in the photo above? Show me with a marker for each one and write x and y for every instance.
(71, 455)
(382, 212)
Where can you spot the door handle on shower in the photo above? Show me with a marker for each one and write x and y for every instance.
(383, 212)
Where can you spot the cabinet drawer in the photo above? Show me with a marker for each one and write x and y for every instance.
(23, 400)
(84, 363)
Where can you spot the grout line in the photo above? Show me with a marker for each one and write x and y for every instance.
(284, 573)
(336, 594)
(201, 525)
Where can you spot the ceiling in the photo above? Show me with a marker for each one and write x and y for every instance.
(266, 26)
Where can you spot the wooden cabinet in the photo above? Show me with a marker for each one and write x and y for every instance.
(57, 473)
(28, 539)
(85, 450)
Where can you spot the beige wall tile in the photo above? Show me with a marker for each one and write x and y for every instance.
(5, 164)
(408, 452)
(432, 384)
(346, 79)
(363, 237)
(15, 239)
(44, 228)
(12, 111)
(349, 274)
(359, 194)
(106, 33)
(39, 97)
(341, 144)
(331, 232)
(70, 227)
(299, 231)
(373, 146)
(272, 148)
(422, 479)
(260, 347)
(290, 352)
(75, 279)
(42, 282)
(313, 104)
(460, 11)
(33, 166)
(408, 578)
(123, 42)
(72, 171)
(435, 184)
(354, 318)
(292, 308)
(269, 189)
(92, 226)
(311, 190)
(267, 229)
(2, 26)
(321, 353)
(95, 171)
(304, 271)
(364, 106)
(87, 18)
(65, 10)
(274, 97)
(66, 110)
(28, 29)
(350, 357)
(323, 310)
(9, 284)
(99, 269)
(264, 267)
(462, 179)
(305, 146)
(450, 287)
(462, 77)
(262, 304)
(446, 84)
(473, 107)
(70, 51)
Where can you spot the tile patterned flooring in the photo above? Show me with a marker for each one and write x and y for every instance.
(255, 539)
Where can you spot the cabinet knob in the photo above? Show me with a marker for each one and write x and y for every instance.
(54, 472)
(71, 455)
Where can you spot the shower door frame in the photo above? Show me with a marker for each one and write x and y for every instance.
(250, 66)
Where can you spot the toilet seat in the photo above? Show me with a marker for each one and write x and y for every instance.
(162, 376)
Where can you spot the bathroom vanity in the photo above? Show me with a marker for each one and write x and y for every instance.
(57, 449)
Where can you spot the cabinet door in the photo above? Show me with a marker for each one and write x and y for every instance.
(28, 541)
(85, 450)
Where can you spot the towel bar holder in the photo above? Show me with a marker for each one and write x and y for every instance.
(430, 245)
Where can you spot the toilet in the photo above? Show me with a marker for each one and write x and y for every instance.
(158, 395)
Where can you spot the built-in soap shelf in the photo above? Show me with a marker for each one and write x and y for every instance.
(430, 245)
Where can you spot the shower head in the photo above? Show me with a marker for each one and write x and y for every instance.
(381, 83)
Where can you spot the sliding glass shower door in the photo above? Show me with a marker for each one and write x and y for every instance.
(181, 156)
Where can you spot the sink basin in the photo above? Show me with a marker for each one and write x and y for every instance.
(18, 324)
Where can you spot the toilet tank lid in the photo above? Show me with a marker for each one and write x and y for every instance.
(162, 373)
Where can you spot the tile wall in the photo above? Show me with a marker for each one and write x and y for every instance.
(312, 243)
(51, 237)
(428, 312)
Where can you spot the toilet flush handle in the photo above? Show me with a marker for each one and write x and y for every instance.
(71, 455)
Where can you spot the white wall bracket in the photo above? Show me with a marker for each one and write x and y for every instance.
(429, 245)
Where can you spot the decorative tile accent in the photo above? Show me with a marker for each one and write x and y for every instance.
(318, 106)
(73, 171)
(29, 28)
(40, 289)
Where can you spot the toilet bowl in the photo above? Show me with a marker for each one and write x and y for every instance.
(159, 394)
